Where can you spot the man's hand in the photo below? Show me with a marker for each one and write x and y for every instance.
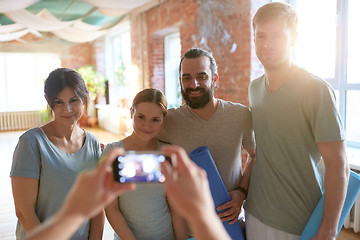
(233, 207)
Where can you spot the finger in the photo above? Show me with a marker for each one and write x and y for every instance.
(233, 221)
(105, 167)
(120, 188)
(182, 160)
(167, 171)
(226, 213)
(107, 160)
(225, 206)
(229, 218)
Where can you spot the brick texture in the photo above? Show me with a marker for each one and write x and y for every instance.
(223, 27)
(80, 55)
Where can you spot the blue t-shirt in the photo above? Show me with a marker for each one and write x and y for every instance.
(145, 210)
(35, 156)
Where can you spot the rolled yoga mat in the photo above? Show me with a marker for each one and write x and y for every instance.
(314, 222)
(202, 157)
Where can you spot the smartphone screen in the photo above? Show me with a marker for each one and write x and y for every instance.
(136, 166)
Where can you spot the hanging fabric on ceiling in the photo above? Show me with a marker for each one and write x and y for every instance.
(116, 7)
(76, 35)
(14, 5)
(4, 37)
(38, 21)
(73, 31)
(10, 28)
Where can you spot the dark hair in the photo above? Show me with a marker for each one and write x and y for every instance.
(151, 95)
(196, 53)
(61, 78)
(277, 10)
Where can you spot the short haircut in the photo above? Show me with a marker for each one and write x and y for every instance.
(150, 95)
(196, 53)
(61, 78)
(276, 10)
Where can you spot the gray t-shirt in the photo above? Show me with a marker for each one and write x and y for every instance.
(225, 133)
(35, 156)
(145, 210)
(287, 177)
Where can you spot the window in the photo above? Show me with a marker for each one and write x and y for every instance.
(118, 67)
(328, 47)
(172, 60)
(22, 78)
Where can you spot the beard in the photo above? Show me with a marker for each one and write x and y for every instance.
(198, 102)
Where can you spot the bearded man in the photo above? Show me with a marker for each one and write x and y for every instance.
(204, 120)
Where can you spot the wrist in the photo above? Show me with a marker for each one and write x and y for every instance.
(73, 214)
(243, 190)
(201, 220)
(327, 229)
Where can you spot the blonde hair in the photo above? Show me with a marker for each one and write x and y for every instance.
(276, 10)
(150, 95)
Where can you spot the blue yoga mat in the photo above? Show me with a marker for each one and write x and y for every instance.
(314, 222)
(202, 157)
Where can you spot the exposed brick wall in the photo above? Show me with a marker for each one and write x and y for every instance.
(139, 49)
(80, 55)
(256, 67)
(166, 18)
(98, 58)
(222, 27)
(157, 63)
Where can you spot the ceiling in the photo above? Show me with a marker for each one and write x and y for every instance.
(70, 20)
(66, 10)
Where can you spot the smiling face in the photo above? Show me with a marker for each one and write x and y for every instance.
(147, 120)
(274, 40)
(67, 107)
(197, 85)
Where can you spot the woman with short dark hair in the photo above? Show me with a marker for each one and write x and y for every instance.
(47, 159)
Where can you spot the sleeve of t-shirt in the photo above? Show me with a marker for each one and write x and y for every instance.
(164, 134)
(107, 149)
(323, 116)
(97, 147)
(26, 159)
(249, 137)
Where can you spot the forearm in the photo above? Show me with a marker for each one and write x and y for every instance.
(25, 191)
(62, 225)
(336, 181)
(245, 180)
(97, 226)
(28, 219)
(119, 224)
(208, 226)
(181, 229)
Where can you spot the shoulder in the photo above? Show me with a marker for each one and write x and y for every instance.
(91, 137)
(31, 135)
(314, 85)
(231, 112)
(233, 106)
(161, 143)
(257, 82)
(177, 111)
(111, 146)
(175, 114)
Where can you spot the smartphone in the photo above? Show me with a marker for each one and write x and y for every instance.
(139, 167)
